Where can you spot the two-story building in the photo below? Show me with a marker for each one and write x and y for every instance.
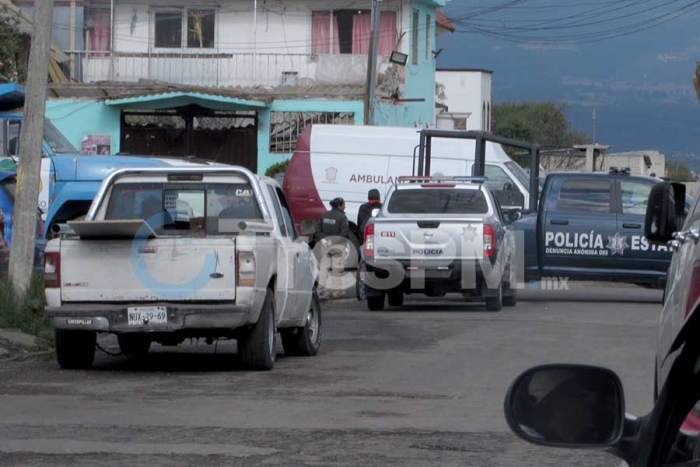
(234, 80)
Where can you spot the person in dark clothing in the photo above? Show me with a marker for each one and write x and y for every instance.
(365, 212)
(332, 233)
(334, 222)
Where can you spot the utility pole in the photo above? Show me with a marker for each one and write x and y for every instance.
(30, 150)
(372, 63)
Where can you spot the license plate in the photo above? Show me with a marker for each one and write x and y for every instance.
(147, 315)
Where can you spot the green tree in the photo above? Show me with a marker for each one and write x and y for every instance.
(276, 168)
(677, 171)
(542, 123)
(10, 45)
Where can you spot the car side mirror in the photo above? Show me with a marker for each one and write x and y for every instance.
(375, 212)
(514, 215)
(665, 212)
(570, 406)
(308, 227)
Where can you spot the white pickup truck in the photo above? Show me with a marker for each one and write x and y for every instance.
(167, 254)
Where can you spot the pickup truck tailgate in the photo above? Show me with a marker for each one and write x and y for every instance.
(161, 269)
(429, 239)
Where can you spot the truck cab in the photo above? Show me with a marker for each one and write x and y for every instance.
(590, 226)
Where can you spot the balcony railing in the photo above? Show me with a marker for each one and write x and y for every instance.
(217, 69)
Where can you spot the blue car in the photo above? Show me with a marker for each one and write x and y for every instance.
(8, 184)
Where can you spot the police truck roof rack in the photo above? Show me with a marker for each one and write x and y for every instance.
(620, 171)
(422, 165)
(440, 178)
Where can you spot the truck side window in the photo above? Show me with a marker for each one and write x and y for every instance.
(13, 131)
(635, 197)
(287, 214)
(585, 195)
(497, 178)
(278, 211)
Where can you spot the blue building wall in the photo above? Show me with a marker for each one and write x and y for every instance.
(78, 118)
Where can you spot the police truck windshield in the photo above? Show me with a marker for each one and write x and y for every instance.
(438, 201)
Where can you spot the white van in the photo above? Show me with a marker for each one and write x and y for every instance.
(349, 160)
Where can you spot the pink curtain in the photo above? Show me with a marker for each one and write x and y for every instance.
(387, 33)
(361, 32)
(101, 30)
(320, 32)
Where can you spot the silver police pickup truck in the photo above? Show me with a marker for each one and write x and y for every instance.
(437, 235)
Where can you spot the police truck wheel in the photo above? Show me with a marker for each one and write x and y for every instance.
(256, 348)
(395, 297)
(495, 303)
(376, 303)
(306, 340)
(75, 350)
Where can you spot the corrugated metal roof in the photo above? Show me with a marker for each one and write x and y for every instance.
(117, 90)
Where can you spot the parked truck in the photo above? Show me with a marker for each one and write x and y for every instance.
(590, 226)
(167, 254)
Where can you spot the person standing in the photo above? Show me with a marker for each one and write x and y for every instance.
(365, 211)
(332, 234)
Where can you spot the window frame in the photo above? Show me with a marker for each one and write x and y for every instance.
(277, 208)
(288, 219)
(415, 25)
(428, 29)
(184, 26)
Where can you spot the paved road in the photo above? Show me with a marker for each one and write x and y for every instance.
(420, 386)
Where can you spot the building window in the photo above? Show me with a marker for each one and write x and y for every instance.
(415, 25)
(98, 29)
(285, 127)
(194, 27)
(427, 37)
(483, 117)
(349, 32)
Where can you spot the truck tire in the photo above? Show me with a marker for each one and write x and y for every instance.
(376, 303)
(510, 296)
(395, 297)
(256, 347)
(75, 350)
(133, 344)
(495, 303)
(306, 340)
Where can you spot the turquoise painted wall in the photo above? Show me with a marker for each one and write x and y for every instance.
(265, 158)
(78, 118)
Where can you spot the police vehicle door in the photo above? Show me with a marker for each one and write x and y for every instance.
(640, 257)
(580, 228)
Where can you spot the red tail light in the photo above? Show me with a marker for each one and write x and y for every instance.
(693, 290)
(489, 241)
(369, 241)
(52, 270)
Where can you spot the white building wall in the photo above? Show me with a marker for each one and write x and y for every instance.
(468, 92)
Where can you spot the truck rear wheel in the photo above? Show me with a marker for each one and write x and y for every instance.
(133, 344)
(75, 350)
(306, 340)
(495, 303)
(395, 297)
(376, 303)
(256, 348)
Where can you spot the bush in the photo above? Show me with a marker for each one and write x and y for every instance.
(276, 168)
(26, 314)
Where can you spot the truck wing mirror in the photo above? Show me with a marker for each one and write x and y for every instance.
(308, 227)
(665, 212)
(510, 199)
(569, 406)
(375, 212)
